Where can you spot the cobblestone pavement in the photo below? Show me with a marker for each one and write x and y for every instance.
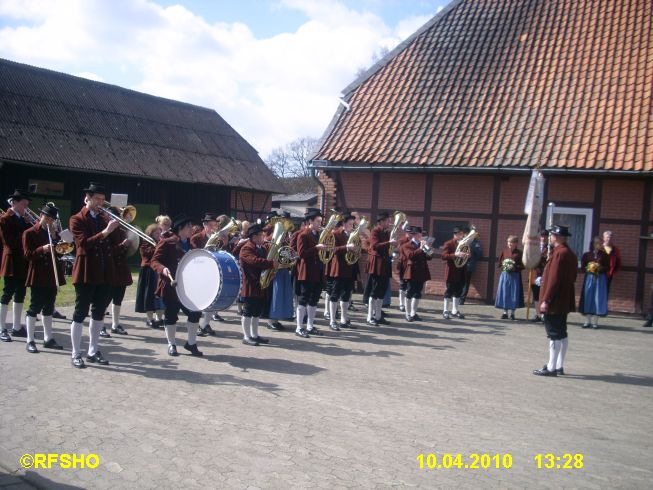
(348, 409)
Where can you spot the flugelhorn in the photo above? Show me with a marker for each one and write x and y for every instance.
(352, 256)
(328, 238)
(427, 246)
(464, 246)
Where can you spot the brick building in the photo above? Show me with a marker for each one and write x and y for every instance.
(448, 126)
(58, 132)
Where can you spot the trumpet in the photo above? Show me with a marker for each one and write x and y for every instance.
(127, 215)
(427, 246)
(328, 238)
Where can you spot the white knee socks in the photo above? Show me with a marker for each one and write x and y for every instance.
(94, 328)
(310, 320)
(254, 327)
(205, 319)
(3, 316)
(414, 302)
(30, 323)
(402, 298)
(301, 313)
(378, 303)
(326, 303)
(456, 302)
(18, 311)
(333, 310)
(344, 313)
(171, 333)
(370, 309)
(446, 305)
(245, 323)
(554, 351)
(115, 316)
(76, 337)
(563, 351)
(47, 327)
(192, 333)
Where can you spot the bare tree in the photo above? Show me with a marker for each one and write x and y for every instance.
(292, 159)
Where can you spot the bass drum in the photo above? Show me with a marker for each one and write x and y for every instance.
(208, 280)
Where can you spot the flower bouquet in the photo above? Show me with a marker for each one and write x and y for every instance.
(508, 265)
(593, 268)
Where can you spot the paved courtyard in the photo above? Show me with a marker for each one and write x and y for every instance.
(349, 409)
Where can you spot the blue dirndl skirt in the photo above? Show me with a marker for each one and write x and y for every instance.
(281, 306)
(594, 297)
(510, 294)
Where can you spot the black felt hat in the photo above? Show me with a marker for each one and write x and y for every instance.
(559, 230)
(382, 215)
(254, 230)
(209, 217)
(179, 221)
(95, 188)
(50, 210)
(19, 195)
(414, 229)
(312, 213)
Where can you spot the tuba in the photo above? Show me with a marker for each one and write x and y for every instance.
(285, 256)
(351, 257)
(399, 220)
(220, 239)
(464, 246)
(328, 238)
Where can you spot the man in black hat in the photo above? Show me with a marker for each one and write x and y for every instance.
(308, 286)
(93, 271)
(13, 224)
(379, 266)
(253, 261)
(167, 254)
(342, 275)
(454, 277)
(41, 277)
(416, 271)
(557, 299)
(198, 240)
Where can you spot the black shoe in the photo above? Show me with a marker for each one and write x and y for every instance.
(459, 315)
(327, 316)
(417, 318)
(334, 326)
(402, 308)
(52, 344)
(156, 324)
(78, 362)
(410, 318)
(536, 319)
(512, 316)
(172, 351)
(248, 341)
(446, 315)
(21, 332)
(261, 340)
(383, 321)
(278, 325)
(504, 316)
(586, 325)
(351, 307)
(201, 332)
(373, 322)
(31, 347)
(272, 326)
(217, 318)
(544, 372)
(149, 323)
(313, 331)
(104, 333)
(595, 326)
(560, 372)
(119, 330)
(4, 336)
(58, 315)
(208, 330)
(194, 351)
(97, 357)
(462, 301)
(648, 324)
(301, 333)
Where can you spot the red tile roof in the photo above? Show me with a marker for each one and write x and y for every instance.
(564, 84)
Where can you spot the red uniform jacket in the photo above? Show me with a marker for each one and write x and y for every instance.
(558, 281)
(146, 250)
(401, 263)
(338, 266)
(238, 247)
(451, 272)
(515, 255)
(122, 275)
(94, 260)
(39, 271)
(615, 261)
(11, 232)
(416, 268)
(252, 263)
(599, 256)
(198, 240)
(378, 259)
(309, 267)
(168, 253)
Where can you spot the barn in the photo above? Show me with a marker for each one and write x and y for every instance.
(449, 125)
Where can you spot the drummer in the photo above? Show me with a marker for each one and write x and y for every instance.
(165, 260)
(198, 240)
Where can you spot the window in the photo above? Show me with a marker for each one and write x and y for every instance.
(45, 187)
(579, 221)
(443, 230)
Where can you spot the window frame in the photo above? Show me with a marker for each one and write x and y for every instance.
(589, 222)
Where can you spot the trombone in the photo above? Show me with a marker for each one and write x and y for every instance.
(127, 215)
(30, 215)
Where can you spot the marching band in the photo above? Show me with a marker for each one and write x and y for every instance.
(274, 271)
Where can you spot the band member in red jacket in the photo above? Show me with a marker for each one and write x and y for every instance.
(557, 299)
(401, 268)
(341, 274)
(167, 254)
(416, 271)
(379, 266)
(198, 240)
(308, 286)
(454, 277)
(92, 272)
(147, 279)
(253, 261)
(41, 277)
(13, 224)
(122, 277)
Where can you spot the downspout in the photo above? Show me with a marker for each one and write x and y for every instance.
(323, 193)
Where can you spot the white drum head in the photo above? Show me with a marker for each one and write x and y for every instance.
(198, 280)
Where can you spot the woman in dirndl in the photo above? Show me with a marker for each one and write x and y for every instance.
(146, 302)
(594, 296)
(510, 293)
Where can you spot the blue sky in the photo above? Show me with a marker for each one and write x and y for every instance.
(273, 69)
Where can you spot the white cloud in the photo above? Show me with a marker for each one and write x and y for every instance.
(90, 76)
(271, 90)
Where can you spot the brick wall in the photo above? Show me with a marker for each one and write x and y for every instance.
(404, 192)
(250, 205)
(357, 188)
